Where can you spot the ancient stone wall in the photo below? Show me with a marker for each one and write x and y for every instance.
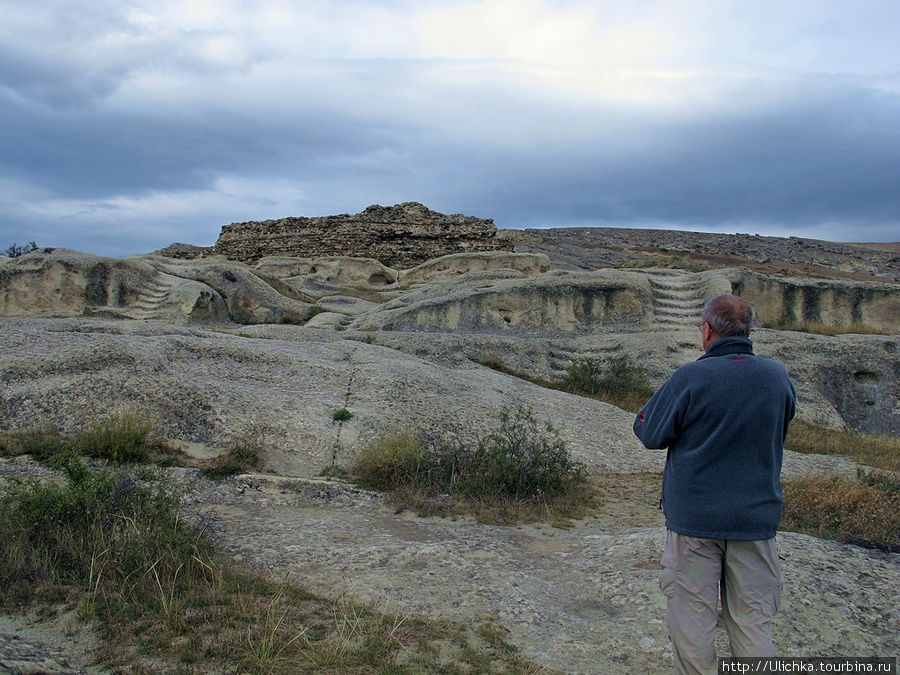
(401, 236)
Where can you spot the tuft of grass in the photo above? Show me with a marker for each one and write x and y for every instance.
(520, 471)
(241, 456)
(875, 450)
(864, 510)
(820, 328)
(394, 460)
(123, 437)
(40, 442)
(123, 553)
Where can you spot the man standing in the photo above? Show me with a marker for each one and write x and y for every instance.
(724, 419)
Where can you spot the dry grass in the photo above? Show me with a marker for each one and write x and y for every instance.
(863, 510)
(123, 553)
(617, 381)
(664, 261)
(881, 452)
(819, 328)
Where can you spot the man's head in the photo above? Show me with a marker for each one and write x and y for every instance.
(725, 316)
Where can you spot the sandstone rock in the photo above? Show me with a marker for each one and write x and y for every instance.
(61, 282)
(280, 267)
(828, 302)
(342, 271)
(185, 251)
(331, 320)
(446, 268)
(593, 247)
(248, 298)
(404, 235)
(347, 305)
(558, 302)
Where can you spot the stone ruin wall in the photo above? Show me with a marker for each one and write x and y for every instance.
(400, 236)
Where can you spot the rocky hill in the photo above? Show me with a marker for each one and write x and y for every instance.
(214, 350)
(403, 235)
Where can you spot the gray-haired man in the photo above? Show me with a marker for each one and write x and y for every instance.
(724, 419)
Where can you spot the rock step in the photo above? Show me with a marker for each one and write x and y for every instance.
(677, 300)
(679, 303)
(152, 295)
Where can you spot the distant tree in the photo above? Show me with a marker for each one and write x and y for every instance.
(15, 251)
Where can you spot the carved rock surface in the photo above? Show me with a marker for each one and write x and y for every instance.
(449, 267)
(61, 282)
(552, 302)
(829, 302)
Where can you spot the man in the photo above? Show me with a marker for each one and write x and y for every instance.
(724, 419)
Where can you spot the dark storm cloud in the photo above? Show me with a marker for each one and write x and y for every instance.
(121, 136)
(92, 154)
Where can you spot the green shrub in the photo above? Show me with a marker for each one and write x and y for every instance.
(100, 531)
(122, 437)
(619, 381)
(342, 415)
(521, 460)
(515, 471)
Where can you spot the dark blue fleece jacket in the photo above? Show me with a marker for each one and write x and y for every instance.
(724, 419)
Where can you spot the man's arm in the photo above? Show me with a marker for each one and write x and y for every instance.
(656, 425)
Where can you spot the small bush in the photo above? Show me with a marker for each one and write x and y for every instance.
(619, 381)
(342, 415)
(14, 251)
(521, 460)
(122, 437)
(516, 471)
(863, 511)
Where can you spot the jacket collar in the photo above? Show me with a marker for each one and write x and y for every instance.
(729, 345)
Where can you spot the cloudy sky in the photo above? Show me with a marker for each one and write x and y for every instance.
(128, 125)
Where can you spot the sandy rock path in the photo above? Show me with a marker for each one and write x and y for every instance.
(577, 600)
